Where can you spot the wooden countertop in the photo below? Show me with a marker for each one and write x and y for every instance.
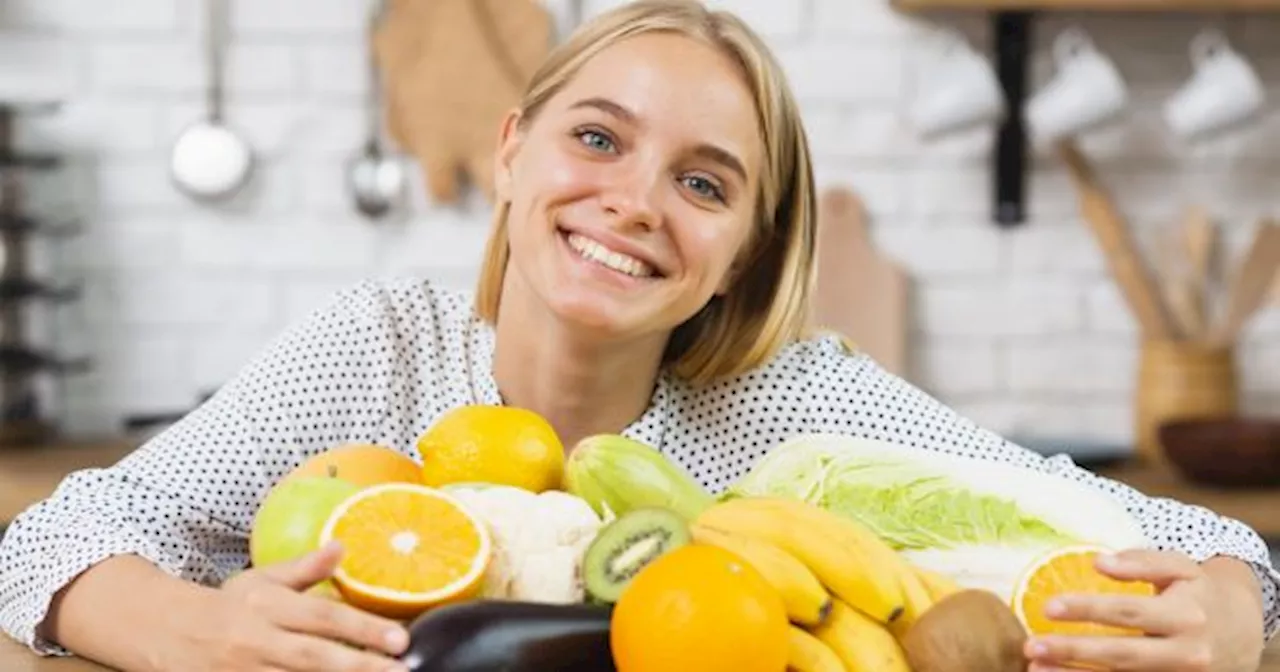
(28, 474)
(16, 658)
(1258, 508)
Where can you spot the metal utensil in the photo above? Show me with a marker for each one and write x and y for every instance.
(210, 161)
(375, 178)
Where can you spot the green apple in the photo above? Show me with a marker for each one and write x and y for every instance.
(288, 523)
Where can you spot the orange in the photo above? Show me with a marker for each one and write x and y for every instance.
(407, 548)
(703, 608)
(500, 445)
(1069, 570)
(363, 464)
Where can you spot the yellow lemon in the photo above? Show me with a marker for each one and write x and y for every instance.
(500, 445)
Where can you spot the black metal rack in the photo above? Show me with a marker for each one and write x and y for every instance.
(22, 419)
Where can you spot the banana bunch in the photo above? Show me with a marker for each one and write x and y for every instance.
(849, 596)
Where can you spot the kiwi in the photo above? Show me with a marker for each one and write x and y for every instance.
(968, 631)
(624, 546)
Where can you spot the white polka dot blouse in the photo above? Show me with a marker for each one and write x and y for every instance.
(385, 358)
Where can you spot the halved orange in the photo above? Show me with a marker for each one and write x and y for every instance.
(407, 548)
(1064, 570)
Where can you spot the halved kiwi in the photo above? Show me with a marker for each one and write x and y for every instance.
(624, 546)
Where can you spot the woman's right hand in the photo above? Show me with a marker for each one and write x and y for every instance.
(262, 619)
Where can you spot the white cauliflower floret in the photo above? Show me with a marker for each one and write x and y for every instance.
(539, 541)
(549, 576)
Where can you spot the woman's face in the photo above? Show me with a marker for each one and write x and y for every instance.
(633, 191)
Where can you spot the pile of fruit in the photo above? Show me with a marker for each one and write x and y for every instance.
(505, 551)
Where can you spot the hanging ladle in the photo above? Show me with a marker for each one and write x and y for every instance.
(210, 161)
(376, 179)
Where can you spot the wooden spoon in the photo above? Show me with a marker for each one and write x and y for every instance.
(1179, 285)
(1120, 251)
(1200, 238)
(1251, 283)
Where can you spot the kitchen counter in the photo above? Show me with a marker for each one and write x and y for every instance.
(16, 658)
(28, 474)
(1258, 508)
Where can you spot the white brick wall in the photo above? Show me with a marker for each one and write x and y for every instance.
(1021, 329)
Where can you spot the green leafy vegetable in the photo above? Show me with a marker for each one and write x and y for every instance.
(979, 521)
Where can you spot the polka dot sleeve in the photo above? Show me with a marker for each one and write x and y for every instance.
(853, 394)
(185, 500)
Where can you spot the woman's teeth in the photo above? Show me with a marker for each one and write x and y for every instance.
(590, 249)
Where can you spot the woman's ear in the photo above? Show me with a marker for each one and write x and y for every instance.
(508, 146)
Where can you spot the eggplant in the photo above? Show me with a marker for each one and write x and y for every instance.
(511, 636)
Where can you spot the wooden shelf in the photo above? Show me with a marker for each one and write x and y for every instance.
(1090, 5)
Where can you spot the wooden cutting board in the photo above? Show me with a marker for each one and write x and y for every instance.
(451, 70)
(860, 293)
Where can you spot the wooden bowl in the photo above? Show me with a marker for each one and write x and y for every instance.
(1228, 452)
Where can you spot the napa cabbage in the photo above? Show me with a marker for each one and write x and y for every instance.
(979, 521)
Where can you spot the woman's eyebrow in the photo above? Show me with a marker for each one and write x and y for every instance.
(711, 152)
(609, 107)
(724, 157)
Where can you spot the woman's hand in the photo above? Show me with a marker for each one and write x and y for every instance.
(260, 620)
(1203, 618)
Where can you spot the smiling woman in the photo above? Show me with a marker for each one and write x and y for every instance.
(659, 188)
(648, 274)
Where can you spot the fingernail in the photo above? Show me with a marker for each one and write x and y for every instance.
(1107, 561)
(1039, 649)
(396, 639)
(1055, 607)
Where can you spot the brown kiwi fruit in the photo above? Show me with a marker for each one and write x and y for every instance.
(625, 545)
(968, 631)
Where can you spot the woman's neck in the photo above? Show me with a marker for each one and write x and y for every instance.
(580, 385)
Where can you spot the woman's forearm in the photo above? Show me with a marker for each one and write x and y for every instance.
(113, 610)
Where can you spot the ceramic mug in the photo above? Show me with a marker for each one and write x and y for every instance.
(1224, 90)
(1085, 91)
(959, 90)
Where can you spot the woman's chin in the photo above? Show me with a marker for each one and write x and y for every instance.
(590, 313)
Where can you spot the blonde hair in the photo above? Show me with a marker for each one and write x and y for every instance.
(768, 304)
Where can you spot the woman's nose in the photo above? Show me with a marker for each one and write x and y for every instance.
(632, 198)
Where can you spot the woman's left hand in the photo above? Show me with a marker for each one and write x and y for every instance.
(1198, 620)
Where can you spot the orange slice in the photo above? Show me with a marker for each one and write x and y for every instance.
(1069, 570)
(407, 548)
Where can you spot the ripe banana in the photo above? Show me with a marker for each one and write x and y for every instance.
(918, 602)
(806, 653)
(938, 585)
(861, 644)
(854, 564)
(805, 598)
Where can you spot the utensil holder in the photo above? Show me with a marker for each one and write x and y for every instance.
(1181, 380)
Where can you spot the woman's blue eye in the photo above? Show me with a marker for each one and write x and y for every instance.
(596, 140)
(704, 187)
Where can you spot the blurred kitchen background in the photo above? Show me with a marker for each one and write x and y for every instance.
(1016, 320)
